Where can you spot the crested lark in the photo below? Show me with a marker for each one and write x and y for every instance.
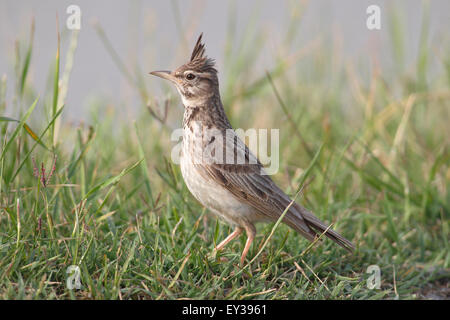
(218, 168)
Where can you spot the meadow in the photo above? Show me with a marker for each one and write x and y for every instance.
(368, 146)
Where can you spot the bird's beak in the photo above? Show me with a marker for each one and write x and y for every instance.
(164, 74)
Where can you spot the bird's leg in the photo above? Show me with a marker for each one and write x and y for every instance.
(232, 235)
(251, 232)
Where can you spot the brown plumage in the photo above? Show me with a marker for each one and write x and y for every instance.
(239, 192)
(199, 49)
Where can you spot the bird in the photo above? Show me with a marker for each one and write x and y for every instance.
(237, 190)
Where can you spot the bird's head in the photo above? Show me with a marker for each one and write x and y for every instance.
(195, 80)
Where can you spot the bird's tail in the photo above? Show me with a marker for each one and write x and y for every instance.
(316, 227)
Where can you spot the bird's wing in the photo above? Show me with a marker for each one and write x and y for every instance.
(248, 183)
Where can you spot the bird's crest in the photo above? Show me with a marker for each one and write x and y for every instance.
(199, 49)
(198, 58)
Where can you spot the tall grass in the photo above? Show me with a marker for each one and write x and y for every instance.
(106, 197)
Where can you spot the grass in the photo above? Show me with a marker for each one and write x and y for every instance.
(106, 197)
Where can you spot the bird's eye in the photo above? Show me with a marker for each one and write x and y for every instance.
(190, 76)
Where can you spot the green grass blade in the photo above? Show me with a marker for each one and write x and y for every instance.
(56, 82)
(19, 128)
(27, 156)
(144, 166)
(112, 180)
(27, 128)
(26, 64)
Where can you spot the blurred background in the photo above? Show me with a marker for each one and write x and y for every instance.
(364, 129)
(149, 35)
